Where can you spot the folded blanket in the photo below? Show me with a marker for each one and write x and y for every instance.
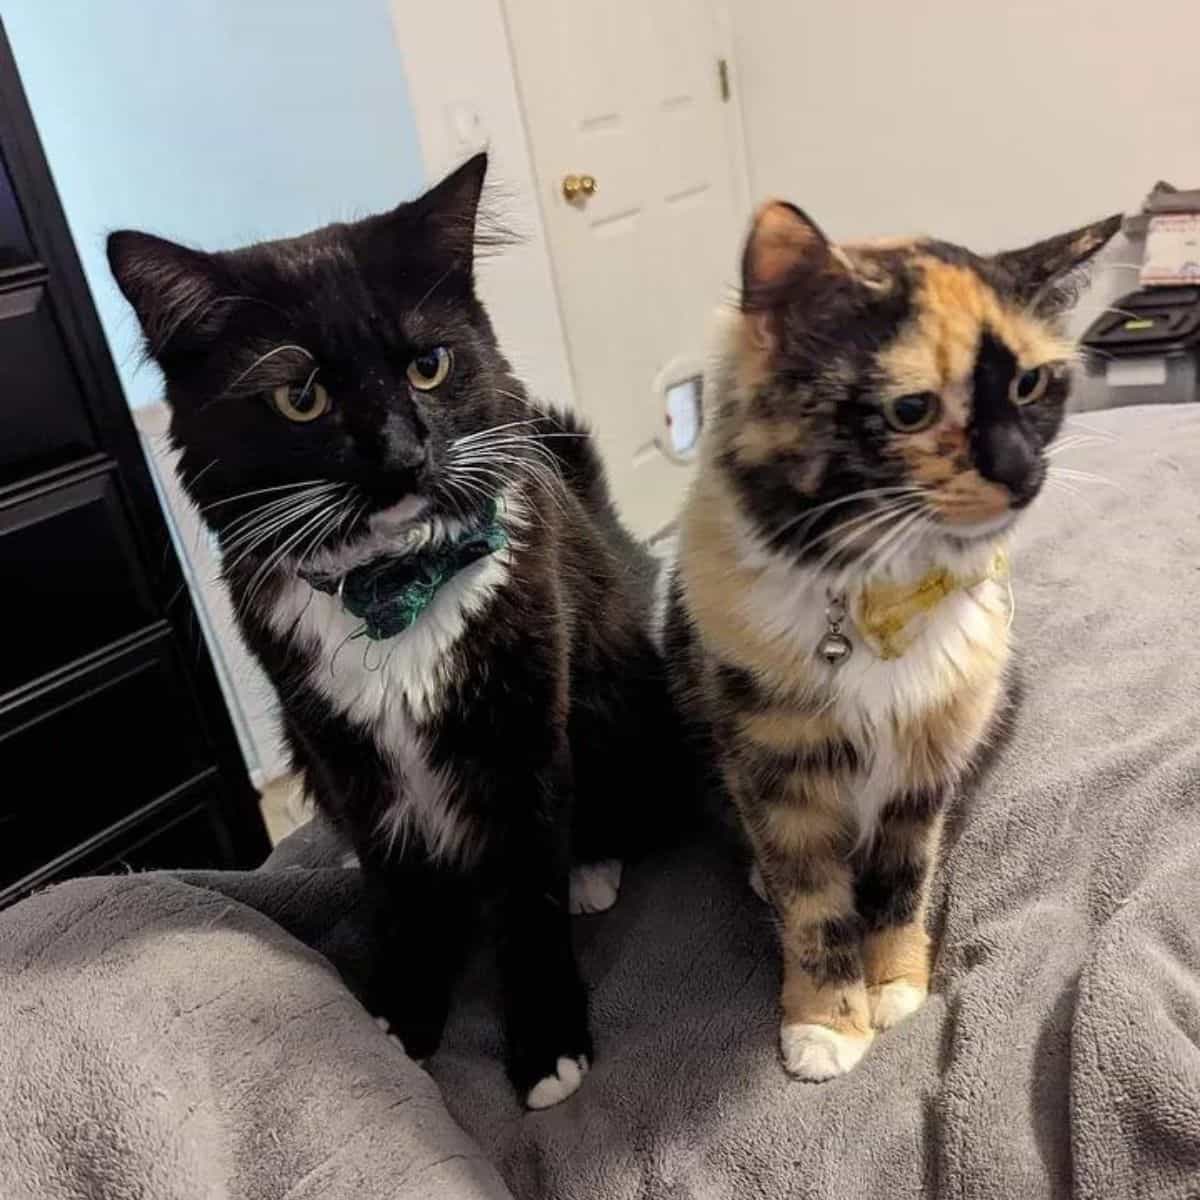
(173, 1037)
(159, 1041)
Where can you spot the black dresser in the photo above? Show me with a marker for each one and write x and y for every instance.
(116, 748)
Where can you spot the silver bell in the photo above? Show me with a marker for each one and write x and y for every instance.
(834, 648)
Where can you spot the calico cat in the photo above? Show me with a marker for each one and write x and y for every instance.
(838, 617)
(430, 572)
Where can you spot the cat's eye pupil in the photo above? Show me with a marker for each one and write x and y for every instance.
(304, 399)
(912, 410)
(429, 369)
(1028, 383)
(909, 414)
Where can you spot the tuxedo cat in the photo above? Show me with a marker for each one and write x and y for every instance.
(428, 567)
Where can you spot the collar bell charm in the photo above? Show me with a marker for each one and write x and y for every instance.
(835, 647)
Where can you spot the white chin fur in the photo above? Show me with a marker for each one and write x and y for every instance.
(892, 1002)
(568, 1075)
(992, 527)
(817, 1053)
(594, 886)
(398, 515)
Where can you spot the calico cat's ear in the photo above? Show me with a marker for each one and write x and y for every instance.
(448, 211)
(784, 248)
(172, 289)
(1046, 275)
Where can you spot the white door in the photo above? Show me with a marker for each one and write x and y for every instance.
(628, 94)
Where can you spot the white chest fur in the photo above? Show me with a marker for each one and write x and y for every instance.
(392, 689)
(872, 696)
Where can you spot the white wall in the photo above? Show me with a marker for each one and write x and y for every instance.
(463, 94)
(982, 122)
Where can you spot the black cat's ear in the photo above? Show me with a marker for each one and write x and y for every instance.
(449, 211)
(173, 290)
(1047, 275)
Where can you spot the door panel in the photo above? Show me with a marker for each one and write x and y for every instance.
(628, 92)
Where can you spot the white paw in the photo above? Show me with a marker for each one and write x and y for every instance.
(816, 1052)
(892, 1002)
(594, 886)
(568, 1075)
(757, 885)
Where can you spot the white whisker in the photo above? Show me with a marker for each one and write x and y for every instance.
(263, 491)
(262, 358)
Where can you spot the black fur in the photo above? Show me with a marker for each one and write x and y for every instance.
(552, 731)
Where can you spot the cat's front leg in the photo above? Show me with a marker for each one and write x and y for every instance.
(545, 1005)
(421, 914)
(826, 1025)
(891, 893)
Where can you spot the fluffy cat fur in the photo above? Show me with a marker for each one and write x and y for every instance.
(880, 417)
(516, 726)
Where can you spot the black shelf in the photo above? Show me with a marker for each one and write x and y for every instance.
(115, 743)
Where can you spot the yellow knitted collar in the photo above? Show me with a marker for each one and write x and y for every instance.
(889, 617)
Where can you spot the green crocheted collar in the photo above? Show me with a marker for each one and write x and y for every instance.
(390, 592)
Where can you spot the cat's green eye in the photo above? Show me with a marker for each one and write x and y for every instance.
(427, 370)
(1029, 386)
(301, 402)
(911, 414)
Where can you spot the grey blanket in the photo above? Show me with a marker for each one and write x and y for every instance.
(182, 1039)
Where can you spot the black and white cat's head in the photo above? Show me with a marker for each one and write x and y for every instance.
(323, 383)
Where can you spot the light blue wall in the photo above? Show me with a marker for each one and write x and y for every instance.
(214, 122)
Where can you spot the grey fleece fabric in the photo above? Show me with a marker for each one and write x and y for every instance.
(159, 1041)
(173, 1035)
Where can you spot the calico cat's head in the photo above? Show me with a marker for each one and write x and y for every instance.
(887, 394)
(323, 380)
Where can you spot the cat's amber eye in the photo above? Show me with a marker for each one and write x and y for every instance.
(301, 402)
(911, 414)
(427, 370)
(1029, 386)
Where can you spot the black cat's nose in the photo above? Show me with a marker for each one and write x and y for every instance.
(1005, 455)
(406, 443)
(408, 456)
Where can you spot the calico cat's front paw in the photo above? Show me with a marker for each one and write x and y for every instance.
(891, 1002)
(896, 962)
(817, 1053)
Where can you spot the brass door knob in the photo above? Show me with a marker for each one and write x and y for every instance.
(576, 186)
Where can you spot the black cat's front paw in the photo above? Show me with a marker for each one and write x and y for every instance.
(547, 1065)
(417, 1024)
(564, 1081)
